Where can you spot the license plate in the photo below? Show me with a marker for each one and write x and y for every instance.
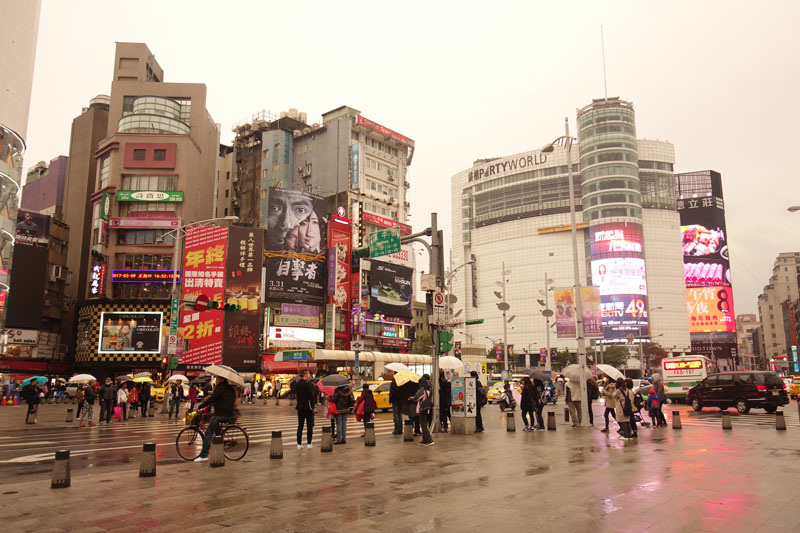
(774, 393)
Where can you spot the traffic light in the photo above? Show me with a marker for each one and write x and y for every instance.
(224, 307)
(164, 362)
(445, 344)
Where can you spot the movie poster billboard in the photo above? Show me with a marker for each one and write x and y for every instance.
(339, 265)
(592, 313)
(295, 255)
(618, 270)
(204, 273)
(33, 229)
(565, 313)
(243, 287)
(138, 332)
(390, 289)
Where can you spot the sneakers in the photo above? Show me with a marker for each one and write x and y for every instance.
(83, 425)
(604, 430)
(299, 446)
(527, 428)
(425, 443)
(201, 459)
(309, 446)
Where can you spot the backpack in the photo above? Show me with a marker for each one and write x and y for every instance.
(627, 408)
(655, 402)
(427, 402)
(482, 400)
(593, 391)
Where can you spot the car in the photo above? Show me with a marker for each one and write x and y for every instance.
(743, 390)
(380, 391)
(642, 387)
(72, 389)
(495, 390)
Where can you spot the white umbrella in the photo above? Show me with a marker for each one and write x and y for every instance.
(77, 378)
(448, 362)
(178, 377)
(610, 371)
(397, 367)
(574, 372)
(226, 372)
(143, 375)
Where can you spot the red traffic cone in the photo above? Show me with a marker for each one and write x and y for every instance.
(3, 401)
(13, 400)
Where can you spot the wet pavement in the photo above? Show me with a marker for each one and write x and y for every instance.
(700, 478)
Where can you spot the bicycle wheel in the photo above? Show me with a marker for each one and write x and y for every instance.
(189, 443)
(235, 442)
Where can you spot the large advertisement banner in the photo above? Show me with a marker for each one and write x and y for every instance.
(618, 270)
(390, 289)
(339, 266)
(204, 273)
(565, 313)
(295, 255)
(33, 229)
(130, 332)
(710, 309)
(243, 287)
(592, 313)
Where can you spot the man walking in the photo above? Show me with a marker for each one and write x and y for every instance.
(107, 396)
(608, 393)
(397, 413)
(144, 398)
(306, 401)
(574, 402)
(175, 398)
(481, 400)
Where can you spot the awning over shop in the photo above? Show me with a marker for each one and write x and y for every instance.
(365, 357)
(270, 363)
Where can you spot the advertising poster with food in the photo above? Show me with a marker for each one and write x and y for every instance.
(618, 270)
(204, 273)
(390, 289)
(130, 332)
(296, 250)
(592, 314)
(339, 266)
(243, 288)
(565, 313)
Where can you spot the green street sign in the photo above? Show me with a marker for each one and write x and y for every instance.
(150, 196)
(297, 355)
(384, 242)
(173, 316)
(105, 206)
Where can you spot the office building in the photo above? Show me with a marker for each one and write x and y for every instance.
(749, 358)
(773, 313)
(44, 188)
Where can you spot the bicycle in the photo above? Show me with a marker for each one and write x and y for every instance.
(189, 441)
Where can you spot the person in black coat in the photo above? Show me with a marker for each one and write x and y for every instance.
(481, 400)
(527, 404)
(224, 401)
(445, 399)
(397, 407)
(344, 400)
(306, 401)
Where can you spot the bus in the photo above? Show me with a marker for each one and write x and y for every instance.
(684, 372)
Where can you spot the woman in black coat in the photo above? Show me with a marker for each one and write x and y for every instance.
(527, 403)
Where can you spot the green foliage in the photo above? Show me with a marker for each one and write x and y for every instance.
(422, 343)
(615, 355)
(564, 358)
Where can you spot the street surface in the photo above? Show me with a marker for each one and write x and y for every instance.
(700, 478)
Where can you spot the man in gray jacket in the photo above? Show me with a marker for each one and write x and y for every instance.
(107, 395)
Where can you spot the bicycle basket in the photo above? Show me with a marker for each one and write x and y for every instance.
(192, 418)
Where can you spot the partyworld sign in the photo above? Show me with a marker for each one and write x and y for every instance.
(507, 165)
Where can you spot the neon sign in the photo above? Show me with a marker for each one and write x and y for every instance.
(143, 276)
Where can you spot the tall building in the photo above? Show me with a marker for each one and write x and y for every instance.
(44, 188)
(707, 267)
(782, 288)
(748, 352)
(154, 167)
(19, 28)
(515, 210)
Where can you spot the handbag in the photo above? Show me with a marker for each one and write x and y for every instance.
(118, 412)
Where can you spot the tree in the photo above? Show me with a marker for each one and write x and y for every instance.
(423, 343)
(564, 358)
(653, 355)
(615, 355)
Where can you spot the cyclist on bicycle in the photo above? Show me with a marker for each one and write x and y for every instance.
(224, 400)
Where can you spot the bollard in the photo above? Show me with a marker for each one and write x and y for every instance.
(676, 420)
(147, 467)
(566, 414)
(60, 470)
(369, 434)
(327, 441)
(276, 445)
(780, 422)
(69, 415)
(726, 420)
(551, 420)
(408, 431)
(277, 401)
(217, 452)
(510, 422)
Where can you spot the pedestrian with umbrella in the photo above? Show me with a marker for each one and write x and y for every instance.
(144, 393)
(365, 407)
(192, 396)
(445, 399)
(480, 401)
(122, 400)
(88, 403)
(343, 399)
(306, 402)
(526, 404)
(397, 413)
(30, 393)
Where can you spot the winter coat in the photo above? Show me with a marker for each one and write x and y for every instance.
(608, 394)
(107, 393)
(343, 400)
(574, 389)
(365, 406)
(306, 396)
(527, 402)
(223, 399)
(193, 394)
(89, 395)
(619, 396)
(422, 398)
(122, 396)
(445, 394)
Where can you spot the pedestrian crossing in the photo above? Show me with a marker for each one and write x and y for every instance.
(713, 418)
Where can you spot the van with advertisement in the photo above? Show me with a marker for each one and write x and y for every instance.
(684, 372)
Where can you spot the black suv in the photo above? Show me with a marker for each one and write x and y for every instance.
(742, 390)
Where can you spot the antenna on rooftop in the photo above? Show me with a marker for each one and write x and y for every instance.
(603, 48)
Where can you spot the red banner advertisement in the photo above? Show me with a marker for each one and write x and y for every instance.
(243, 287)
(204, 273)
(383, 130)
(339, 269)
(384, 222)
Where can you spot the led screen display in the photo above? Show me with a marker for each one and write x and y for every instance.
(710, 309)
(130, 332)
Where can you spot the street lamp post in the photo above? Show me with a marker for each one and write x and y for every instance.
(566, 140)
(503, 307)
(547, 313)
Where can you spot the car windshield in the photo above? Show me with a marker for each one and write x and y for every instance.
(768, 379)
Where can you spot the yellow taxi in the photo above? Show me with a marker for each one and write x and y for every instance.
(157, 392)
(794, 388)
(495, 391)
(380, 391)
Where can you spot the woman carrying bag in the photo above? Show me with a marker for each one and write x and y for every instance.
(365, 407)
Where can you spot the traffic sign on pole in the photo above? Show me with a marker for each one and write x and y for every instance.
(384, 242)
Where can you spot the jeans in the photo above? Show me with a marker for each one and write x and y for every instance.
(527, 413)
(539, 419)
(124, 407)
(144, 406)
(425, 423)
(212, 428)
(106, 408)
(444, 417)
(174, 403)
(575, 412)
(397, 417)
(305, 418)
(341, 426)
(609, 411)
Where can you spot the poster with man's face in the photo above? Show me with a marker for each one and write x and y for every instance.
(33, 229)
(297, 230)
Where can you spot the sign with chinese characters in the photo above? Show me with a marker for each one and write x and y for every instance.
(144, 223)
(565, 313)
(97, 280)
(297, 321)
(243, 287)
(105, 206)
(457, 396)
(354, 167)
(119, 275)
(378, 220)
(384, 242)
(592, 314)
(710, 309)
(33, 229)
(204, 273)
(330, 329)
(296, 250)
(294, 355)
(383, 130)
(150, 196)
(300, 309)
(339, 265)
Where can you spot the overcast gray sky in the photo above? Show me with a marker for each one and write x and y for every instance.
(718, 79)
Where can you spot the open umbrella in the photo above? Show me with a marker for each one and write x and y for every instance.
(123, 379)
(449, 362)
(81, 378)
(226, 372)
(41, 380)
(334, 380)
(538, 374)
(576, 373)
(401, 378)
(143, 379)
(178, 377)
(200, 379)
(62, 380)
(142, 375)
(610, 371)
(397, 367)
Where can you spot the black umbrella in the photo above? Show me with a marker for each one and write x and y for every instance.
(201, 379)
(122, 379)
(538, 374)
(334, 380)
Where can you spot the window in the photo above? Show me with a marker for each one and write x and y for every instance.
(167, 208)
(144, 236)
(139, 155)
(226, 211)
(150, 183)
(158, 155)
(227, 191)
(105, 171)
(228, 175)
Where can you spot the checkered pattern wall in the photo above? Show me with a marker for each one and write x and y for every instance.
(88, 331)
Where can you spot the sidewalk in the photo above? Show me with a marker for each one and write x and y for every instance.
(696, 479)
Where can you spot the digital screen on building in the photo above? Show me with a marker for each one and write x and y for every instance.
(130, 332)
(710, 309)
(618, 269)
(683, 365)
(119, 275)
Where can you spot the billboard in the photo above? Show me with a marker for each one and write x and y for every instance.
(27, 287)
(592, 313)
(710, 309)
(243, 287)
(618, 270)
(33, 229)
(390, 289)
(565, 313)
(295, 255)
(204, 273)
(138, 332)
(339, 265)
